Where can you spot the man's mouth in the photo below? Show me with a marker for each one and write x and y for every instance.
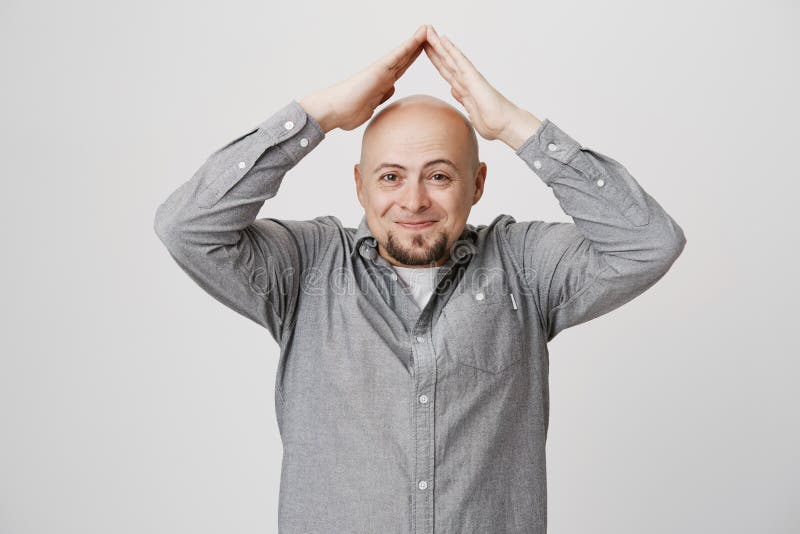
(416, 225)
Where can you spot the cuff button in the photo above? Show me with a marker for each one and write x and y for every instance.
(304, 142)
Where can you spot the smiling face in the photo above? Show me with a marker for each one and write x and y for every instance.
(419, 164)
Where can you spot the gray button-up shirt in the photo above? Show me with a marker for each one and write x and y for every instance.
(395, 419)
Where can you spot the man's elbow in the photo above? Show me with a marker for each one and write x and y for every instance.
(672, 244)
(677, 244)
(165, 228)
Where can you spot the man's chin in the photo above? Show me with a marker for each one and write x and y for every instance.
(414, 249)
(420, 260)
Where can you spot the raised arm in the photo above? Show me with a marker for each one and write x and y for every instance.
(621, 242)
(209, 226)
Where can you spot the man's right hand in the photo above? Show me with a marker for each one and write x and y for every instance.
(349, 103)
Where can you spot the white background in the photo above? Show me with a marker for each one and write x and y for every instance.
(132, 402)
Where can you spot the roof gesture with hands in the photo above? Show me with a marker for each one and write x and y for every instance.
(351, 102)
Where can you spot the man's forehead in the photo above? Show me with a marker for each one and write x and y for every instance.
(430, 163)
(398, 156)
(417, 129)
(435, 133)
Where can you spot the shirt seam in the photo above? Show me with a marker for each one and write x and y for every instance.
(313, 266)
(284, 328)
(251, 228)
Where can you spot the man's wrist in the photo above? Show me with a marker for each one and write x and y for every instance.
(320, 110)
(520, 129)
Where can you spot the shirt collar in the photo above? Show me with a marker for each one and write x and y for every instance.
(464, 247)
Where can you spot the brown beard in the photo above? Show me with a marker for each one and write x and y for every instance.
(419, 254)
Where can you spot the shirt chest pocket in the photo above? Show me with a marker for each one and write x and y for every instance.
(483, 327)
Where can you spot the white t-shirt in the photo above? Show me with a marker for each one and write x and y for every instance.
(420, 282)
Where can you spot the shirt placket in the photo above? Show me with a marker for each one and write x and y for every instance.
(423, 392)
(424, 385)
(424, 395)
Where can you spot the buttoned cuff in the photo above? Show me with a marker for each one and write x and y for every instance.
(547, 149)
(291, 129)
(294, 131)
(559, 160)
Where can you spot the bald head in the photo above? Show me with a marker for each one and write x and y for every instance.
(425, 114)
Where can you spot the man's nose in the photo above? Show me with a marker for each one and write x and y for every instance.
(415, 196)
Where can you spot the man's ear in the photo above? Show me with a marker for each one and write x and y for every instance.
(480, 180)
(357, 176)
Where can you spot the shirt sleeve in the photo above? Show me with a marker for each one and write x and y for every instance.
(209, 226)
(620, 243)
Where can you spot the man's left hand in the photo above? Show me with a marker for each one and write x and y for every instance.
(491, 113)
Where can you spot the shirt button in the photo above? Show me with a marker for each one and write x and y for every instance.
(422, 484)
(478, 296)
(420, 339)
(537, 164)
(393, 276)
(241, 164)
(551, 147)
(600, 182)
(423, 398)
(304, 142)
(288, 125)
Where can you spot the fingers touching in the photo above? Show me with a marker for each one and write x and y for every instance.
(448, 59)
(441, 56)
(451, 63)
(402, 57)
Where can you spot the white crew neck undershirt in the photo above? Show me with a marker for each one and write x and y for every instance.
(420, 282)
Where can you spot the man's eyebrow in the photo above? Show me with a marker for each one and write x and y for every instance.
(427, 164)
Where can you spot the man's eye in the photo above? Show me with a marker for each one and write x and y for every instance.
(443, 178)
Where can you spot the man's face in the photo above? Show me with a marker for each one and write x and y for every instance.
(417, 166)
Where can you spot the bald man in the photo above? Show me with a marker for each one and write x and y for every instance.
(412, 387)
